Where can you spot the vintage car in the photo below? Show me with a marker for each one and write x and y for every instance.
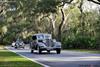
(42, 42)
(19, 44)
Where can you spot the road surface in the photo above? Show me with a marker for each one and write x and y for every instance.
(65, 59)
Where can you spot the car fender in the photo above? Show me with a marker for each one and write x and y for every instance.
(41, 44)
(56, 44)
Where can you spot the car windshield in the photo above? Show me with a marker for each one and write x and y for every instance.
(41, 36)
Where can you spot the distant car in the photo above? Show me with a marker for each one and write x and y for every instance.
(19, 44)
(13, 44)
(43, 42)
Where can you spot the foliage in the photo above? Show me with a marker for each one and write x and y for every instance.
(75, 38)
(47, 6)
(79, 42)
(76, 28)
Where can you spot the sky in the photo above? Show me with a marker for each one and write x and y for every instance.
(88, 6)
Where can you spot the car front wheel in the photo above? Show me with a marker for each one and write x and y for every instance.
(48, 51)
(32, 51)
(39, 49)
(58, 51)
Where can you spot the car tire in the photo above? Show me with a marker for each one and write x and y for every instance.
(15, 47)
(48, 51)
(40, 51)
(32, 51)
(23, 47)
(58, 51)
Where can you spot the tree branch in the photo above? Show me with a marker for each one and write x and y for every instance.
(96, 2)
(64, 2)
(69, 1)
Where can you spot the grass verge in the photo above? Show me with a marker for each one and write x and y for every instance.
(10, 59)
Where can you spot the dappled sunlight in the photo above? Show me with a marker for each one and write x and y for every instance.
(10, 59)
(45, 16)
(24, 34)
(4, 29)
(18, 64)
(91, 58)
(53, 59)
(73, 23)
(13, 58)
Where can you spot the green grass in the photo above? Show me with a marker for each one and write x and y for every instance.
(10, 59)
(86, 50)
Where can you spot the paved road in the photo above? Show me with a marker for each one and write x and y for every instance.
(65, 59)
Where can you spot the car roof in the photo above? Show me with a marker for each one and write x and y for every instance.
(42, 36)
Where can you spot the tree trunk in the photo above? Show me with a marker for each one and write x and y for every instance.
(96, 2)
(61, 25)
(52, 22)
(53, 26)
(82, 24)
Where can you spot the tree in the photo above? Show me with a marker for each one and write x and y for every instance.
(52, 6)
(19, 22)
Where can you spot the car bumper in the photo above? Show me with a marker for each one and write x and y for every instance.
(50, 48)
